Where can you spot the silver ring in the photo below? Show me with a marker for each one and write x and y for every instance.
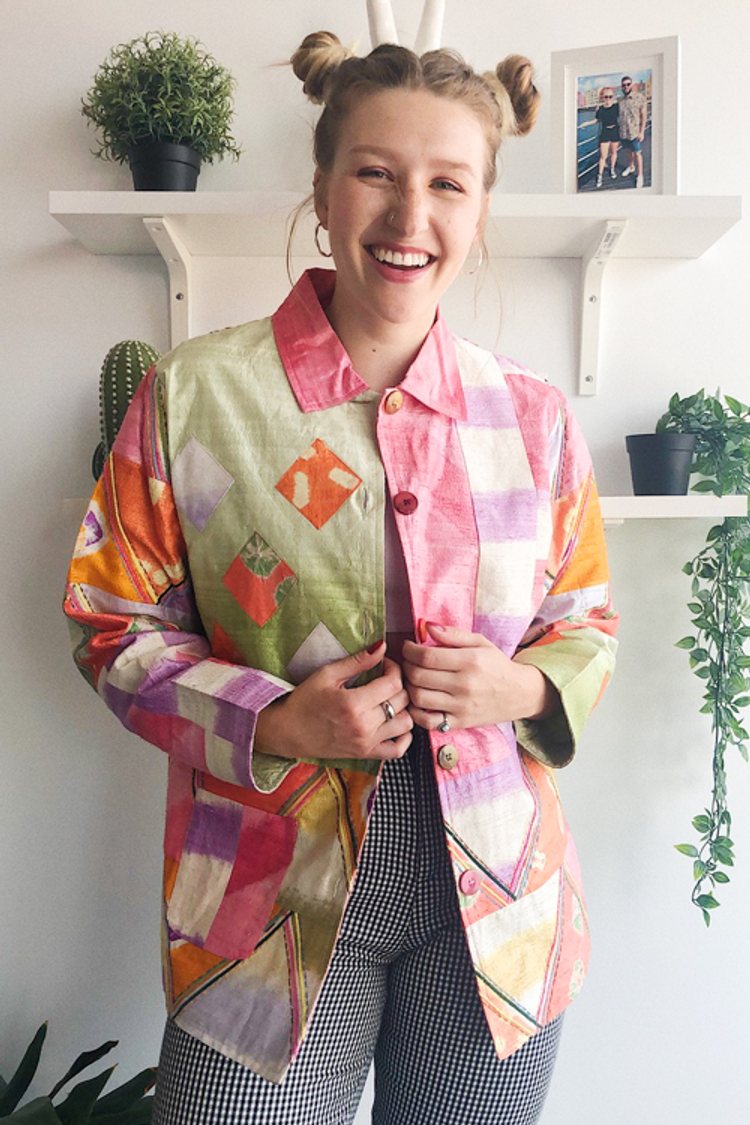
(388, 710)
(445, 726)
(390, 217)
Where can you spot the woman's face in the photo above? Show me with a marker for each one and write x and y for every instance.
(403, 204)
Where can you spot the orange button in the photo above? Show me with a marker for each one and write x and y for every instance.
(393, 402)
(405, 503)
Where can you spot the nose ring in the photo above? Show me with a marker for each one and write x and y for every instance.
(390, 218)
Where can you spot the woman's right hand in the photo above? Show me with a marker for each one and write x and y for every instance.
(322, 718)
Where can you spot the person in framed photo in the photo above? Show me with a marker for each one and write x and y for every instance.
(633, 116)
(607, 117)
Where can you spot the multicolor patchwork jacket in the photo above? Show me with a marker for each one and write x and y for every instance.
(234, 544)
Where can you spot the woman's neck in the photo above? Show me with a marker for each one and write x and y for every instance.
(381, 353)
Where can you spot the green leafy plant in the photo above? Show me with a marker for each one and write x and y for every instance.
(720, 612)
(160, 87)
(126, 1105)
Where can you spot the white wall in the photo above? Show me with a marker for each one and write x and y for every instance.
(657, 1036)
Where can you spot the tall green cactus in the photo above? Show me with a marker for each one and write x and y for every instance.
(124, 366)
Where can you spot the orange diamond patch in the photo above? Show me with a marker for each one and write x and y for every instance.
(259, 579)
(318, 483)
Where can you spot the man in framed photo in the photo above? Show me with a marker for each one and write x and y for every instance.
(632, 119)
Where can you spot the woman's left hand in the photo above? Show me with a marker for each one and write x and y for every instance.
(466, 680)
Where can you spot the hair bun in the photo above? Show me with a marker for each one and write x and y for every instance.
(516, 73)
(316, 60)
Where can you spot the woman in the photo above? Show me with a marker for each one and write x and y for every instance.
(282, 498)
(607, 115)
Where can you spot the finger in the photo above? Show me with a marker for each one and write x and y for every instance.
(393, 748)
(429, 656)
(431, 700)
(454, 638)
(431, 720)
(370, 695)
(349, 667)
(435, 679)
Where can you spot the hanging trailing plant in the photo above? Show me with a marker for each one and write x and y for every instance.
(720, 612)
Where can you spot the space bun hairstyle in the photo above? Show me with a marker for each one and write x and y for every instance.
(505, 100)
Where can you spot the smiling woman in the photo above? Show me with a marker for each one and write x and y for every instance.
(348, 570)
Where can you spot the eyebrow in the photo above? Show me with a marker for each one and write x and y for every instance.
(376, 150)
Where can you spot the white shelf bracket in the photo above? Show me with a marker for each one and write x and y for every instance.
(592, 275)
(178, 261)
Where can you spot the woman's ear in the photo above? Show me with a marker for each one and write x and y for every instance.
(320, 193)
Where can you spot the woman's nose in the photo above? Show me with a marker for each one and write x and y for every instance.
(409, 213)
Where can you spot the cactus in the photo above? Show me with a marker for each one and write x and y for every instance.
(124, 366)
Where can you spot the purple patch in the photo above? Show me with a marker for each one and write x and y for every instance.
(503, 516)
(237, 704)
(118, 701)
(490, 407)
(200, 483)
(94, 530)
(482, 786)
(505, 632)
(214, 830)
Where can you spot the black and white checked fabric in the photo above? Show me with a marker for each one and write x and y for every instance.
(400, 991)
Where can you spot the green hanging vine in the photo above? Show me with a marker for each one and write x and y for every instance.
(720, 611)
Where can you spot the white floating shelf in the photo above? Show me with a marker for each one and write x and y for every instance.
(617, 509)
(253, 224)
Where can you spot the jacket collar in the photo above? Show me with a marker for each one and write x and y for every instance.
(320, 371)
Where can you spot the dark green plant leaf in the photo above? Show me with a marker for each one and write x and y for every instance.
(39, 1111)
(708, 902)
(686, 642)
(124, 1096)
(139, 1114)
(77, 1107)
(721, 877)
(86, 1058)
(20, 1081)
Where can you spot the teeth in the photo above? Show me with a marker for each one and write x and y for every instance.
(395, 258)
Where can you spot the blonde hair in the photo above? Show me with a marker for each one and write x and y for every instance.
(505, 100)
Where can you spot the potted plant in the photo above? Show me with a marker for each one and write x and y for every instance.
(660, 463)
(720, 612)
(127, 1103)
(162, 104)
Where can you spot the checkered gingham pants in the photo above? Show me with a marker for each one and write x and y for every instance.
(400, 991)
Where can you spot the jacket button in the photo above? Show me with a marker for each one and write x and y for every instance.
(447, 756)
(394, 401)
(468, 882)
(405, 503)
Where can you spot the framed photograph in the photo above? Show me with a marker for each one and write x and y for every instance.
(615, 117)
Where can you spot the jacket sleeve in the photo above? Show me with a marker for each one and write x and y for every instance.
(138, 638)
(571, 638)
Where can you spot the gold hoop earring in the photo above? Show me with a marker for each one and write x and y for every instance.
(325, 253)
(480, 261)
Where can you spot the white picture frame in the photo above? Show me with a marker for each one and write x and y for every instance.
(580, 81)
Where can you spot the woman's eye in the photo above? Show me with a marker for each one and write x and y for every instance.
(446, 185)
(372, 174)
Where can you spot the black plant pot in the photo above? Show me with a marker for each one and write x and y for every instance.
(163, 166)
(660, 463)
